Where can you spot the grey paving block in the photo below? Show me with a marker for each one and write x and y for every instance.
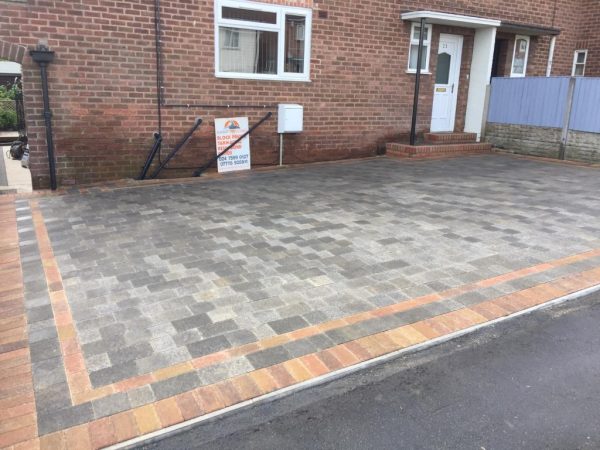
(140, 396)
(176, 385)
(111, 404)
(208, 346)
(48, 372)
(54, 397)
(268, 357)
(288, 324)
(113, 374)
(64, 418)
(44, 349)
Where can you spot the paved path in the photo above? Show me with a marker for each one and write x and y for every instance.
(530, 383)
(141, 307)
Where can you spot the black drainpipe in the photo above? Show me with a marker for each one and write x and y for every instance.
(43, 56)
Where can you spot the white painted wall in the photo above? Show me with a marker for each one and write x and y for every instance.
(481, 70)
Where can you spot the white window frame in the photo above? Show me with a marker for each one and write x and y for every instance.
(512, 63)
(575, 63)
(427, 42)
(279, 27)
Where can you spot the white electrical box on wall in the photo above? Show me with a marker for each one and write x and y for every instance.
(290, 119)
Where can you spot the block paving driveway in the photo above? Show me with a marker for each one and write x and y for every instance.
(136, 297)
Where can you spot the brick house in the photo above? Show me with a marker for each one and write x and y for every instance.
(350, 63)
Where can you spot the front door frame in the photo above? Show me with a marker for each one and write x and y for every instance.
(454, 75)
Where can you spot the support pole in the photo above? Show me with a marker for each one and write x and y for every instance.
(564, 137)
(43, 56)
(280, 149)
(413, 127)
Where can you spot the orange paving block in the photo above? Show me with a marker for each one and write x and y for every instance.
(345, 356)
(168, 412)
(229, 393)
(315, 366)
(54, 441)
(18, 435)
(74, 362)
(424, 329)
(14, 423)
(359, 351)
(188, 405)
(146, 418)
(70, 346)
(134, 382)
(413, 335)
(93, 394)
(32, 444)
(125, 426)
(263, 380)
(208, 399)
(78, 438)
(246, 387)
(297, 370)
(172, 371)
(208, 360)
(102, 432)
(17, 411)
(329, 360)
(281, 376)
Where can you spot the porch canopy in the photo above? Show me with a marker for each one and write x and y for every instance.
(483, 53)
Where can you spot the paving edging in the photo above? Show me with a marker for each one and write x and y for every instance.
(165, 432)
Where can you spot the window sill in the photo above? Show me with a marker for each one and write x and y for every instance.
(414, 72)
(238, 76)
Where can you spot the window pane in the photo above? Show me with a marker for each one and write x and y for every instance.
(442, 73)
(249, 15)
(579, 69)
(417, 33)
(414, 50)
(580, 57)
(294, 43)
(520, 54)
(256, 51)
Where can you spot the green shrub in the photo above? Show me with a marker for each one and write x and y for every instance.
(9, 93)
(8, 120)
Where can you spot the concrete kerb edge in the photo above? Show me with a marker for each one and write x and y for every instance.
(165, 432)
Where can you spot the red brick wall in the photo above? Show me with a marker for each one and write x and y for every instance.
(589, 36)
(103, 79)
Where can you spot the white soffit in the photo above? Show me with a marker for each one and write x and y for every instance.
(456, 20)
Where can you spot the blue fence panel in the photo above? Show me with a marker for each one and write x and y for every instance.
(529, 101)
(585, 115)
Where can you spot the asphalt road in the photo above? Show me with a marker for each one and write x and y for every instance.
(530, 383)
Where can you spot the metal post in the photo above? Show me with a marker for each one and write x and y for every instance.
(43, 56)
(413, 127)
(564, 138)
(281, 149)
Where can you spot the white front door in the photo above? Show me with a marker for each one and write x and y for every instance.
(447, 74)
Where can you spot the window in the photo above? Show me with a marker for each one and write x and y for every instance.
(579, 61)
(262, 41)
(520, 55)
(231, 39)
(415, 34)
